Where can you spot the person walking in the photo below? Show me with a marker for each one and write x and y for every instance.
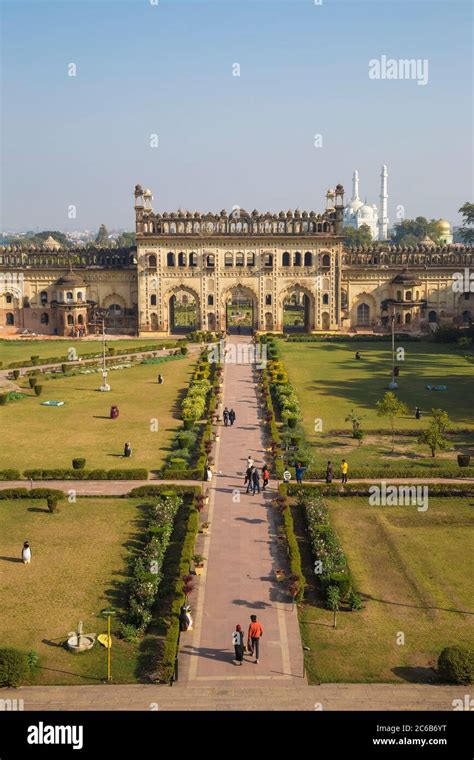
(248, 478)
(299, 470)
(329, 473)
(418, 413)
(249, 461)
(255, 481)
(265, 476)
(238, 642)
(26, 553)
(255, 633)
(161, 379)
(344, 470)
(127, 450)
(232, 416)
(226, 416)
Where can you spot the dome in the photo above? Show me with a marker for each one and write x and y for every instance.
(445, 225)
(405, 278)
(71, 280)
(366, 212)
(354, 205)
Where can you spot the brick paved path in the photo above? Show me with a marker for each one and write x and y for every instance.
(242, 555)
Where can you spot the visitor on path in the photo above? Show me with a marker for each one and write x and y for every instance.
(329, 473)
(185, 619)
(226, 416)
(357, 354)
(248, 478)
(249, 461)
(114, 412)
(208, 474)
(26, 553)
(254, 635)
(344, 470)
(418, 413)
(161, 379)
(127, 450)
(232, 417)
(255, 481)
(238, 642)
(299, 470)
(265, 476)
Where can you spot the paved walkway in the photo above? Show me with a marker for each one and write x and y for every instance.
(241, 556)
(94, 487)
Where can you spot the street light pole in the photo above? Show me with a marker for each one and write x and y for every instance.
(105, 386)
(393, 385)
(108, 613)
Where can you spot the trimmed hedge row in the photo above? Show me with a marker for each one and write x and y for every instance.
(294, 555)
(362, 489)
(397, 471)
(71, 474)
(33, 493)
(111, 351)
(308, 338)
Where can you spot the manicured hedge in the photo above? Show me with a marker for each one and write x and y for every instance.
(14, 666)
(303, 338)
(10, 474)
(387, 471)
(71, 474)
(456, 664)
(33, 493)
(294, 554)
(362, 489)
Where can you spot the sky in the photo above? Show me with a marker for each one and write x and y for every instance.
(163, 72)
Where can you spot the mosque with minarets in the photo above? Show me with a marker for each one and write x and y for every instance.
(359, 212)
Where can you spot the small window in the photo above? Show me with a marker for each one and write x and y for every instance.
(210, 300)
(268, 260)
(210, 261)
(152, 261)
(44, 297)
(285, 261)
(70, 320)
(228, 260)
(9, 298)
(408, 296)
(399, 295)
(69, 296)
(152, 300)
(193, 260)
(268, 299)
(325, 299)
(250, 259)
(239, 259)
(44, 319)
(466, 296)
(308, 259)
(326, 261)
(297, 259)
(80, 319)
(170, 259)
(79, 296)
(181, 259)
(10, 319)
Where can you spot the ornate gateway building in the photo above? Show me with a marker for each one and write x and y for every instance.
(247, 271)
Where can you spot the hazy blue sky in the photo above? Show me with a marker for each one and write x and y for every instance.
(226, 140)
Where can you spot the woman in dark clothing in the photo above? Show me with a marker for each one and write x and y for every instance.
(238, 642)
(329, 473)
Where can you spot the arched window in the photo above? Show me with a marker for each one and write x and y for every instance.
(80, 319)
(44, 297)
(325, 299)
(181, 259)
(153, 300)
(432, 316)
(268, 260)
(408, 318)
(210, 261)
(115, 310)
(308, 259)
(10, 319)
(152, 261)
(466, 316)
(210, 300)
(297, 259)
(285, 261)
(44, 319)
(363, 314)
(250, 259)
(268, 299)
(326, 261)
(239, 259)
(326, 283)
(193, 260)
(408, 296)
(170, 259)
(79, 296)
(69, 296)
(8, 298)
(70, 319)
(228, 260)
(417, 295)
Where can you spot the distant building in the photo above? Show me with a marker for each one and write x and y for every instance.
(357, 213)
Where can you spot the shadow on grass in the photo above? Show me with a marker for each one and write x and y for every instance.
(417, 674)
(14, 559)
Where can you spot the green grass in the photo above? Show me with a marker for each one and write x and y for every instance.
(47, 437)
(79, 567)
(330, 382)
(23, 349)
(414, 572)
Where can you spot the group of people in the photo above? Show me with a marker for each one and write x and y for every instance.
(299, 470)
(252, 477)
(254, 634)
(229, 416)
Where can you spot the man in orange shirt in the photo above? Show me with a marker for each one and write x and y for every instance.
(254, 635)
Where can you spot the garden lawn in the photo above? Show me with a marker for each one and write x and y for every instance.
(38, 436)
(24, 349)
(79, 566)
(415, 573)
(330, 382)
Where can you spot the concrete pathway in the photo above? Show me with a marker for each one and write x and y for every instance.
(256, 696)
(94, 487)
(241, 556)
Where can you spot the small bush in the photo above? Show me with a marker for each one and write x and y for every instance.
(52, 500)
(3, 399)
(10, 474)
(456, 664)
(78, 464)
(128, 632)
(64, 367)
(33, 658)
(16, 374)
(14, 666)
(38, 390)
(355, 602)
(32, 381)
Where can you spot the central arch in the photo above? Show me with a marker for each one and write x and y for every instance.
(297, 309)
(239, 313)
(183, 309)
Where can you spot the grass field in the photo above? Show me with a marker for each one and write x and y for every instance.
(24, 349)
(414, 571)
(78, 567)
(330, 382)
(40, 436)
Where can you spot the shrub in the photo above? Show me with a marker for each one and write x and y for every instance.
(38, 390)
(456, 664)
(184, 350)
(3, 399)
(14, 493)
(128, 632)
(185, 439)
(33, 658)
(10, 474)
(340, 580)
(14, 666)
(52, 501)
(119, 474)
(355, 602)
(78, 464)
(32, 381)
(16, 374)
(64, 367)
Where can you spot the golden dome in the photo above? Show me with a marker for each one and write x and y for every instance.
(444, 225)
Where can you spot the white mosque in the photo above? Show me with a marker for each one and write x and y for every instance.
(358, 213)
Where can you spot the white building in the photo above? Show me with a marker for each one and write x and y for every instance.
(358, 213)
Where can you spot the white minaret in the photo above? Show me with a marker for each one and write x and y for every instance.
(383, 218)
(355, 186)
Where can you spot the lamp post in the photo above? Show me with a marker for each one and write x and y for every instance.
(99, 316)
(393, 385)
(108, 612)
